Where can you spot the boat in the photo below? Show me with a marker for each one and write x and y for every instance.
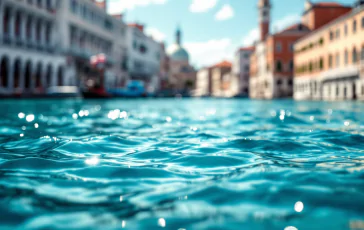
(63, 91)
(133, 89)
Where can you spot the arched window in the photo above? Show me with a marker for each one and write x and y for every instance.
(4, 72)
(17, 67)
(321, 63)
(28, 75)
(60, 76)
(330, 61)
(355, 56)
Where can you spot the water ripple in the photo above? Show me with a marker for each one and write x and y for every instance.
(181, 164)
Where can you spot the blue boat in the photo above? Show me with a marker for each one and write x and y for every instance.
(133, 89)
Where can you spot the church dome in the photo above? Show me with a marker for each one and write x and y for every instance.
(178, 53)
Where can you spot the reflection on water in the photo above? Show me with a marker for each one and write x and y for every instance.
(181, 164)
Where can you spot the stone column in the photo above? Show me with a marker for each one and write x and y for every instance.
(23, 28)
(33, 30)
(43, 32)
(2, 13)
(12, 25)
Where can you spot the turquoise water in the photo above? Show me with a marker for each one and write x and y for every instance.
(181, 164)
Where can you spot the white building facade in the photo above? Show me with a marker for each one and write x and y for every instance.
(143, 57)
(241, 69)
(48, 43)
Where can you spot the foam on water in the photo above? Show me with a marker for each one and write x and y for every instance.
(181, 164)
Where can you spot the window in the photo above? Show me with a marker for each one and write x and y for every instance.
(354, 26)
(290, 82)
(291, 65)
(278, 47)
(337, 90)
(135, 45)
(291, 48)
(278, 66)
(362, 22)
(321, 63)
(345, 92)
(337, 33)
(331, 35)
(279, 82)
(246, 68)
(330, 61)
(346, 29)
(246, 55)
(354, 56)
(346, 57)
(362, 53)
(337, 60)
(310, 67)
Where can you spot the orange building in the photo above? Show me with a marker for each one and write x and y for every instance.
(317, 15)
(329, 62)
(271, 65)
(210, 80)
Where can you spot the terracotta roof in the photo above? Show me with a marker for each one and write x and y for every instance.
(223, 64)
(136, 25)
(295, 27)
(328, 4)
(250, 48)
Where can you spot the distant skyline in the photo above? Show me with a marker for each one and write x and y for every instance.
(212, 29)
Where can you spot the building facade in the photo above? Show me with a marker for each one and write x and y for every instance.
(143, 57)
(272, 63)
(218, 72)
(241, 69)
(30, 58)
(182, 74)
(330, 60)
(47, 43)
(203, 82)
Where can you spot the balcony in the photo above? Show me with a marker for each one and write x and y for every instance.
(7, 40)
(19, 42)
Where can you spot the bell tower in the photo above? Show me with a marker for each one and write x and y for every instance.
(264, 7)
(178, 35)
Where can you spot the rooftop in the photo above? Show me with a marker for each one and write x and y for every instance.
(223, 64)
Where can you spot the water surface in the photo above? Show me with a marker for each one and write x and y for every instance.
(181, 164)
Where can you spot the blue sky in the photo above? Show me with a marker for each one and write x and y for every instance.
(212, 29)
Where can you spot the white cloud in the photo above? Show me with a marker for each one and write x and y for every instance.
(118, 6)
(199, 6)
(209, 52)
(253, 35)
(155, 34)
(226, 12)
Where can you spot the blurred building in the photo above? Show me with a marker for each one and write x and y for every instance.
(241, 69)
(30, 56)
(182, 75)
(218, 71)
(85, 29)
(230, 85)
(48, 43)
(203, 82)
(143, 57)
(329, 62)
(271, 74)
